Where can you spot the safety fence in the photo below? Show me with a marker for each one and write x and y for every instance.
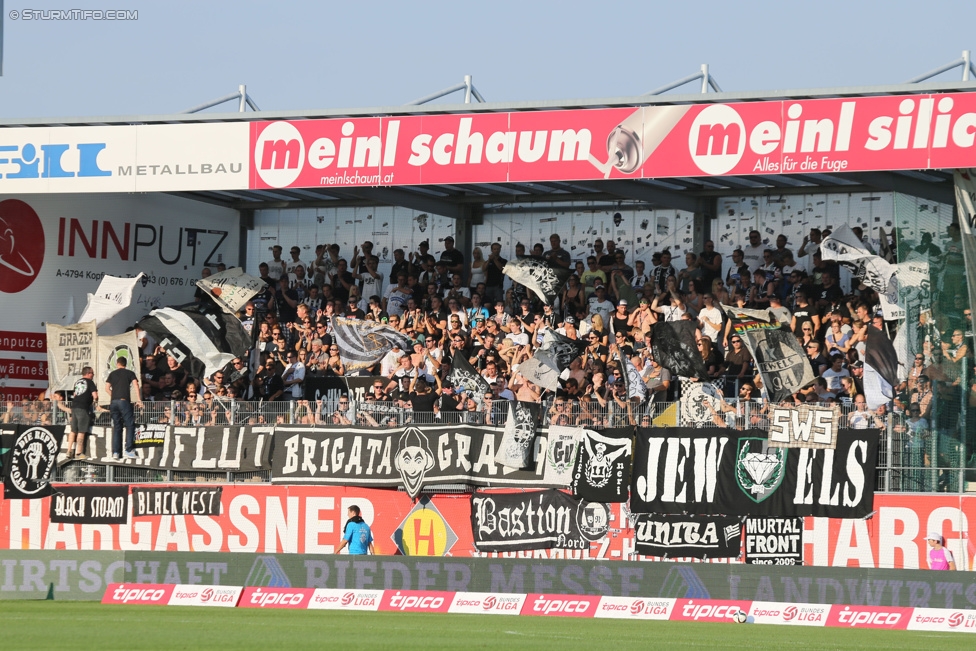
(914, 455)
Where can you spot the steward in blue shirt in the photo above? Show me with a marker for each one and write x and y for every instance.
(356, 534)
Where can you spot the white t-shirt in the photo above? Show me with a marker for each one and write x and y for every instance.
(715, 316)
(294, 371)
(833, 378)
(291, 264)
(602, 308)
(371, 287)
(753, 256)
(396, 301)
(276, 269)
(672, 313)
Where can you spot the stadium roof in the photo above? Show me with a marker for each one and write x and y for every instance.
(468, 201)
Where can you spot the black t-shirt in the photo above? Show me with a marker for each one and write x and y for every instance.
(619, 325)
(707, 274)
(493, 275)
(803, 315)
(84, 398)
(423, 401)
(120, 380)
(832, 295)
(453, 257)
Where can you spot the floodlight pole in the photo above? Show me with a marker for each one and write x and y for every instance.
(707, 81)
(243, 101)
(467, 86)
(965, 62)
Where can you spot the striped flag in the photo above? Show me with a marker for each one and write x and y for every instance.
(364, 343)
(199, 336)
(544, 279)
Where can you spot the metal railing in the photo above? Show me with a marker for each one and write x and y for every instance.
(913, 456)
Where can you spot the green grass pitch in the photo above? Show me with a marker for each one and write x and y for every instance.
(72, 625)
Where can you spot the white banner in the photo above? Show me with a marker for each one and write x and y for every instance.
(110, 349)
(69, 350)
(231, 289)
(112, 296)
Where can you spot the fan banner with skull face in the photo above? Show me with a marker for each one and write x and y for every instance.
(544, 279)
(602, 471)
(723, 471)
(30, 457)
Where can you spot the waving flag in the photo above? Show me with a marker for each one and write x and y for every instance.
(544, 279)
(553, 357)
(966, 206)
(844, 247)
(112, 296)
(464, 376)
(199, 336)
(779, 358)
(231, 289)
(676, 350)
(516, 447)
(364, 343)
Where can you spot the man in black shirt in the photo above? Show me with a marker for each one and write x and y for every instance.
(494, 278)
(117, 384)
(453, 257)
(82, 406)
(711, 264)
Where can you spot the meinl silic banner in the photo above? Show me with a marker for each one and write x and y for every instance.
(29, 459)
(687, 536)
(730, 472)
(602, 469)
(228, 448)
(90, 504)
(412, 457)
(773, 541)
(175, 501)
(548, 519)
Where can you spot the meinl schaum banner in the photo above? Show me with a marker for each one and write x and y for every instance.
(730, 472)
(773, 541)
(90, 504)
(687, 536)
(412, 457)
(176, 501)
(231, 448)
(548, 519)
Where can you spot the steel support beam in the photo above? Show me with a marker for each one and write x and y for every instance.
(692, 202)
(889, 182)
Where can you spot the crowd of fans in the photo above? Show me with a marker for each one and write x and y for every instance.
(449, 306)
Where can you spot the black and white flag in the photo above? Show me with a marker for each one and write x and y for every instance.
(546, 280)
(554, 356)
(200, 336)
(518, 441)
(676, 349)
(780, 360)
(773, 541)
(965, 182)
(29, 460)
(561, 451)
(502, 522)
(696, 398)
(804, 426)
(633, 382)
(464, 376)
(364, 343)
(90, 505)
(687, 536)
(602, 470)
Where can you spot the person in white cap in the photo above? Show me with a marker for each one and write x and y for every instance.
(940, 558)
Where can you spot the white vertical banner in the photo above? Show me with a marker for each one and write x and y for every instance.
(69, 350)
(110, 350)
(112, 296)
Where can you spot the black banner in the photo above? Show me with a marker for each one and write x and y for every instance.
(175, 501)
(412, 457)
(773, 541)
(502, 522)
(90, 505)
(687, 536)
(150, 436)
(730, 472)
(29, 460)
(675, 348)
(325, 387)
(231, 448)
(602, 470)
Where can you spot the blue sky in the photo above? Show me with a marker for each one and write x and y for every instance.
(321, 55)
